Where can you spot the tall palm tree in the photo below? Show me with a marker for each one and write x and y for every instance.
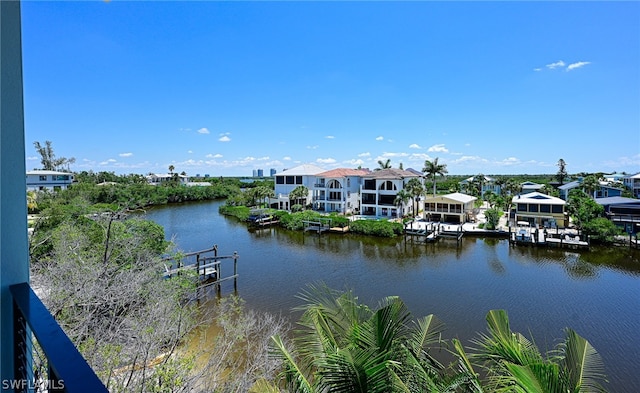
(402, 197)
(515, 364)
(562, 171)
(432, 169)
(171, 168)
(415, 188)
(384, 164)
(345, 346)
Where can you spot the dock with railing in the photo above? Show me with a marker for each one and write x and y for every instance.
(542, 237)
(427, 232)
(206, 263)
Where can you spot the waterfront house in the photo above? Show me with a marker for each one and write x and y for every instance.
(529, 186)
(614, 177)
(632, 182)
(288, 180)
(156, 179)
(488, 184)
(337, 190)
(607, 190)
(624, 212)
(39, 180)
(452, 208)
(379, 190)
(565, 188)
(540, 210)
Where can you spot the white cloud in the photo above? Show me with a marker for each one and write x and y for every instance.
(312, 147)
(125, 154)
(555, 65)
(33, 158)
(392, 155)
(330, 137)
(380, 138)
(537, 69)
(189, 151)
(287, 158)
(217, 155)
(367, 154)
(203, 130)
(414, 146)
(510, 161)
(111, 160)
(224, 138)
(326, 161)
(185, 129)
(579, 64)
(440, 148)
(354, 162)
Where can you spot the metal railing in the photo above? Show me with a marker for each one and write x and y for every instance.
(45, 359)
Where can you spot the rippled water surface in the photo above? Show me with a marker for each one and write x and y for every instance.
(596, 292)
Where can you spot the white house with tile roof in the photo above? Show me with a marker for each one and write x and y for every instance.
(379, 190)
(39, 180)
(287, 180)
(452, 208)
(540, 209)
(159, 178)
(338, 190)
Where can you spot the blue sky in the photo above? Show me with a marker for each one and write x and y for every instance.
(223, 88)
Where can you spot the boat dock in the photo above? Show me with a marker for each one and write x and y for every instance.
(428, 232)
(535, 237)
(206, 263)
(319, 226)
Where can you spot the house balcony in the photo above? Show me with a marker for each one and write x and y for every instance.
(55, 363)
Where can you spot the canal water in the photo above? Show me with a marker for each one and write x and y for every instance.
(596, 292)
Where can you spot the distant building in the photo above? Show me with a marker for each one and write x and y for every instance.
(155, 179)
(39, 180)
(272, 172)
(255, 173)
(632, 182)
(260, 173)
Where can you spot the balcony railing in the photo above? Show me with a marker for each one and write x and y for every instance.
(51, 362)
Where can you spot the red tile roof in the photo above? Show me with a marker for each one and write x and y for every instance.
(343, 172)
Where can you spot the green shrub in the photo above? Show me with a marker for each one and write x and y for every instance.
(376, 228)
(240, 212)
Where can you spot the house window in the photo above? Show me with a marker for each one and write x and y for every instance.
(348, 182)
(557, 209)
(43, 177)
(279, 179)
(298, 179)
(369, 184)
(61, 177)
(533, 208)
(545, 208)
(388, 186)
(522, 207)
(290, 179)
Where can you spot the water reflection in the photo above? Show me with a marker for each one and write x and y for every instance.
(544, 290)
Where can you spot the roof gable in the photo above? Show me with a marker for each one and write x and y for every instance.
(537, 197)
(391, 173)
(304, 169)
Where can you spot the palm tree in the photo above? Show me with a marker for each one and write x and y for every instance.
(402, 197)
(384, 164)
(590, 184)
(515, 364)
(433, 169)
(345, 346)
(171, 168)
(300, 192)
(415, 188)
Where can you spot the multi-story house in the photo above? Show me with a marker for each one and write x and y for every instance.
(338, 190)
(39, 180)
(540, 209)
(288, 180)
(632, 182)
(379, 190)
(452, 208)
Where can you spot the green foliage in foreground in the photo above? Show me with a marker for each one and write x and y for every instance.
(376, 228)
(345, 346)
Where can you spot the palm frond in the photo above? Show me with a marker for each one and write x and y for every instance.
(293, 374)
(582, 364)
